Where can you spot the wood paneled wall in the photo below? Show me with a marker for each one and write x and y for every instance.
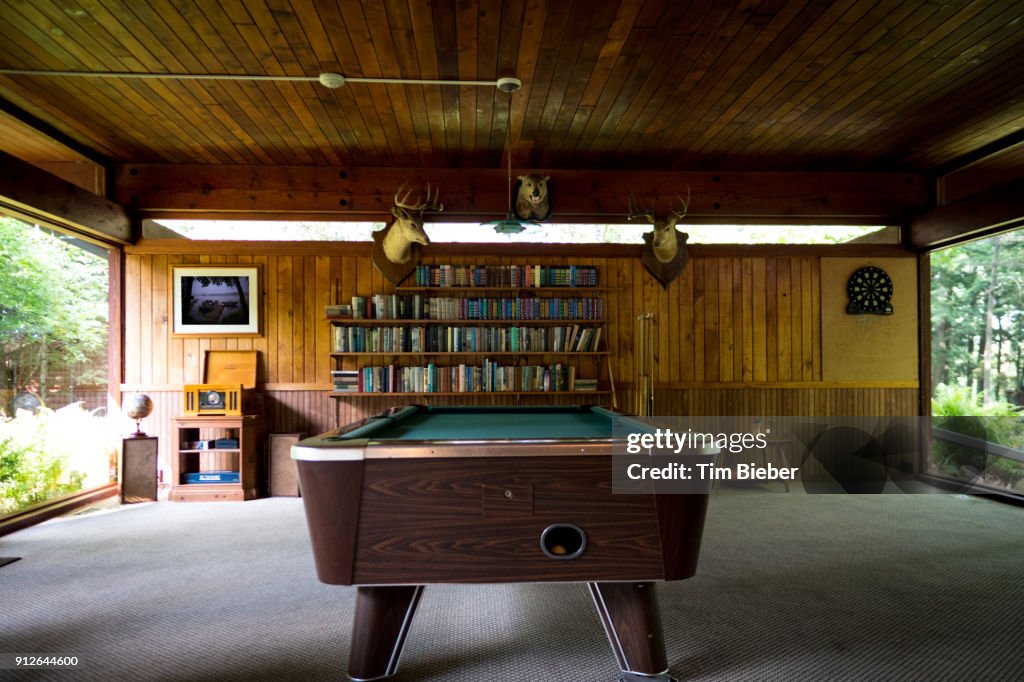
(726, 319)
(735, 334)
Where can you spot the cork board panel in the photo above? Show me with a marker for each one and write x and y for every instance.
(869, 347)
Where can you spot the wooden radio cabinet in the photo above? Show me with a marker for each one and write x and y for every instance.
(214, 458)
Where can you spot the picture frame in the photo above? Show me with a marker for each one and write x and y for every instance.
(215, 300)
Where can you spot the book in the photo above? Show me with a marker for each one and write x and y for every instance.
(211, 477)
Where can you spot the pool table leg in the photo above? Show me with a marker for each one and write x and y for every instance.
(383, 616)
(629, 613)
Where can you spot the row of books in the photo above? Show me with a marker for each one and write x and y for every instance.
(520, 276)
(515, 309)
(484, 378)
(382, 307)
(209, 444)
(438, 339)
(418, 307)
(211, 477)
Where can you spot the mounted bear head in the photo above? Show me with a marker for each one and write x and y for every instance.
(532, 201)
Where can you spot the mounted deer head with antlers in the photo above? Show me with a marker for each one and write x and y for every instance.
(407, 228)
(664, 253)
(395, 251)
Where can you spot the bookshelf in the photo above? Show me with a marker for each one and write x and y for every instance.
(468, 331)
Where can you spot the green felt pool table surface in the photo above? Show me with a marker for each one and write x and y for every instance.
(495, 423)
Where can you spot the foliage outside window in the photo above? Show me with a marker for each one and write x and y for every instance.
(978, 358)
(50, 453)
(53, 346)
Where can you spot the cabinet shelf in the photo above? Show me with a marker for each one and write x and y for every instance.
(448, 354)
(515, 290)
(347, 321)
(243, 460)
(343, 394)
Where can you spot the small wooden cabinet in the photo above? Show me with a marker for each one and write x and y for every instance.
(215, 458)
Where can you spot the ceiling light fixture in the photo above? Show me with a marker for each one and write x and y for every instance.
(328, 80)
(509, 224)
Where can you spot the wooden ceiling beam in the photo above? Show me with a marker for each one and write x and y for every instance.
(33, 194)
(196, 190)
(58, 136)
(987, 212)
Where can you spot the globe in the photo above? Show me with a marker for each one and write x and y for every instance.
(138, 406)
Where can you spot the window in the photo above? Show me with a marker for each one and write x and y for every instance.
(53, 357)
(977, 302)
(614, 233)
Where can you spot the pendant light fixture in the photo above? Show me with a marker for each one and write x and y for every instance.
(509, 224)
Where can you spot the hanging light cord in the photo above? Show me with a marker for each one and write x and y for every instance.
(508, 145)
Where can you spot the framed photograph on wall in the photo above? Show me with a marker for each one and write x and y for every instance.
(215, 300)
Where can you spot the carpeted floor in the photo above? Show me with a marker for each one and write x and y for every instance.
(790, 587)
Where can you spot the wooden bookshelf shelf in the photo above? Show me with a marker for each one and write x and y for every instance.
(575, 291)
(364, 322)
(477, 352)
(342, 394)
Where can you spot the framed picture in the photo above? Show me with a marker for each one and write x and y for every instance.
(215, 300)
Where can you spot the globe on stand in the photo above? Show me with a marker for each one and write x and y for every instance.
(138, 407)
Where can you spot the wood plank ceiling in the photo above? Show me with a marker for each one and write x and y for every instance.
(752, 85)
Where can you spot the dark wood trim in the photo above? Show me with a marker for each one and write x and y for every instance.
(520, 250)
(56, 507)
(84, 174)
(924, 327)
(58, 136)
(979, 215)
(115, 327)
(479, 194)
(1003, 144)
(33, 194)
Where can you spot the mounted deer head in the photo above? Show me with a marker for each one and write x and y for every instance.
(664, 253)
(407, 228)
(664, 242)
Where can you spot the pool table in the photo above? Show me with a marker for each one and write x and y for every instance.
(420, 495)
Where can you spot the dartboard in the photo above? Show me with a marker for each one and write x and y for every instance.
(870, 291)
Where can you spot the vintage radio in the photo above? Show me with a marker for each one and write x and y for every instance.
(213, 399)
(231, 389)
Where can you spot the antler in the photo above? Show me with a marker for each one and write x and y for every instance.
(419, 206)
(634, 211)
(686, 205)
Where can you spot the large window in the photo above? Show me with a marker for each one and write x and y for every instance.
(611, 233)
(977, 302)
(54, 438)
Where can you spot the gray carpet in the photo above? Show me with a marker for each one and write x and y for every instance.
(790, 587)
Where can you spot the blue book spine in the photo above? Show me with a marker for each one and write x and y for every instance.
(211, 477)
